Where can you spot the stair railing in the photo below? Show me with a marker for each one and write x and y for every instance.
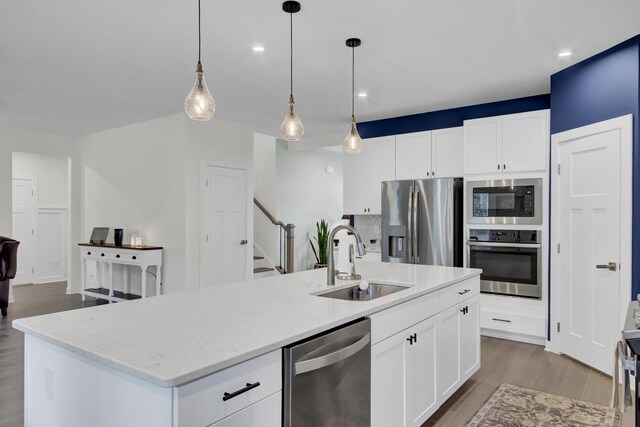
(285, 241)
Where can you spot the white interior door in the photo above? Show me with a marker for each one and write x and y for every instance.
(23, 224)
(594, 190)
(226, 245)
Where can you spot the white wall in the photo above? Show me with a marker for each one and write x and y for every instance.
(264, 178)
(146, 178)
(307, 193)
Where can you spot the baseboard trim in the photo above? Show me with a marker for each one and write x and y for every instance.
(513, 337)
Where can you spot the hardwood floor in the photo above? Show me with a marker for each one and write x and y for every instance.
(525, 365)
(516, 363)
(30, 301)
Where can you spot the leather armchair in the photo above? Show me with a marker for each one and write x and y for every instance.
(8, 267)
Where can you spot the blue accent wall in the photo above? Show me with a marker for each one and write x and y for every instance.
(600, 88)
(450, 118)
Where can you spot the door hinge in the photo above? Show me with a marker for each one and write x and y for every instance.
(558, 326)
(558, 247)
(559, 169)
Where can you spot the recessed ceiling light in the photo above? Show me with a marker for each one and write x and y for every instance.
(565, 54)
(362, 94)
(258, 48)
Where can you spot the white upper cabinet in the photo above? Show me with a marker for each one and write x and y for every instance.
(363, 175)
(511, 143)
(413, 155)
(482, 139)
(381, 154)
(447, 153)
(524, 141)
(432, 154)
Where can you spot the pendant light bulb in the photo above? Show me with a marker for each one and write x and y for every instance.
(291, 128)
(199, 104)
(352, 143)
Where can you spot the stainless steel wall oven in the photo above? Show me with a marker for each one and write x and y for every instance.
(511, 261)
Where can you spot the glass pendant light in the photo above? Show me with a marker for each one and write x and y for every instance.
(353, 143)
(291, 128)
(199, 104)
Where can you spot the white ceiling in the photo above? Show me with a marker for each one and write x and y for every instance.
(78, 66)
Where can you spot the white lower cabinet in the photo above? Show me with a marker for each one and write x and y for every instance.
(417, 369)
(265, 413)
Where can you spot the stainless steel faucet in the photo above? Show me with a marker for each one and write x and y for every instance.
(331, 268)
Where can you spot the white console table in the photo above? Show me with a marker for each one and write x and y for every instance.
(106, 256)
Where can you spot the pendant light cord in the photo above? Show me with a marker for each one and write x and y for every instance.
(290, 51)
(199, 34)
(353, 80)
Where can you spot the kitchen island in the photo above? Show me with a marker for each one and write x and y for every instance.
(159, 361)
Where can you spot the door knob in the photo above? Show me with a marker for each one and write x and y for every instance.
(243, 242)
(612, 266)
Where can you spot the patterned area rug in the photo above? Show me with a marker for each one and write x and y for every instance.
(513, 406)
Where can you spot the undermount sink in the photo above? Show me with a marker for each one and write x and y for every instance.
(354, 293)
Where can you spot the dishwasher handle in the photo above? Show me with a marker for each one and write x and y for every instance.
(331, 358)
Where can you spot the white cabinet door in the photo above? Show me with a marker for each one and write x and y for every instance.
(413, 156)
(524, 141)
(381, 153)
(354, 183)
(447, 153)
(267, 413)
(421, 386)
(449, 352)
(470, 337)
(482, 145)
(387, 381)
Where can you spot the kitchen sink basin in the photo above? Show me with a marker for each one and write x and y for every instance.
(354, 293)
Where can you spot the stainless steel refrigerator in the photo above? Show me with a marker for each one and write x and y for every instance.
(422, 222)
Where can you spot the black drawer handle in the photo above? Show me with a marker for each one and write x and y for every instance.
(134, 257)
(249, 386)
(464, 292)
(101, 254)
(88, 253)
(118, 256)
(501, 320)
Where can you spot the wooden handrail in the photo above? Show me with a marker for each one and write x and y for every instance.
(289, 239)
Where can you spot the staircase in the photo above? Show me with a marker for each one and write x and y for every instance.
(263, 266)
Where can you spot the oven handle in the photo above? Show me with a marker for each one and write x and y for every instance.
(506, 245)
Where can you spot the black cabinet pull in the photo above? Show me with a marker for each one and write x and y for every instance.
(88, 253)
(248, 387)
(465, 310)
(501, 320)
(498, 167)
(415, 337)
(504, 167)
(464, 292)
(134, 257)
(412, 339)
(118, 256)
(101, 254)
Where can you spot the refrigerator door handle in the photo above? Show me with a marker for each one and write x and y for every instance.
(410, 226)
(414, 228)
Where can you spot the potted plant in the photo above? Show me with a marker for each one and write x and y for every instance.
(322, 241)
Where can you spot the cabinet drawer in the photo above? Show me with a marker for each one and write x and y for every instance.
(458, 292)
(202, 402)
(393, 320)
(514, 323)
(265, 413)
(127, 257)
(97, 253)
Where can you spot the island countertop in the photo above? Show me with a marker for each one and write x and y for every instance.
(173, 339)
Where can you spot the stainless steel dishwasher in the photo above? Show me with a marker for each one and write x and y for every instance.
(327, 379)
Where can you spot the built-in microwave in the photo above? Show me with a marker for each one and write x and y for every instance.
(505, 201)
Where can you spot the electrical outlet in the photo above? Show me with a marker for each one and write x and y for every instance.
(50, 382)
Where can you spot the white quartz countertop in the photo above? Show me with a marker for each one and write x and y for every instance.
(174, 339)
